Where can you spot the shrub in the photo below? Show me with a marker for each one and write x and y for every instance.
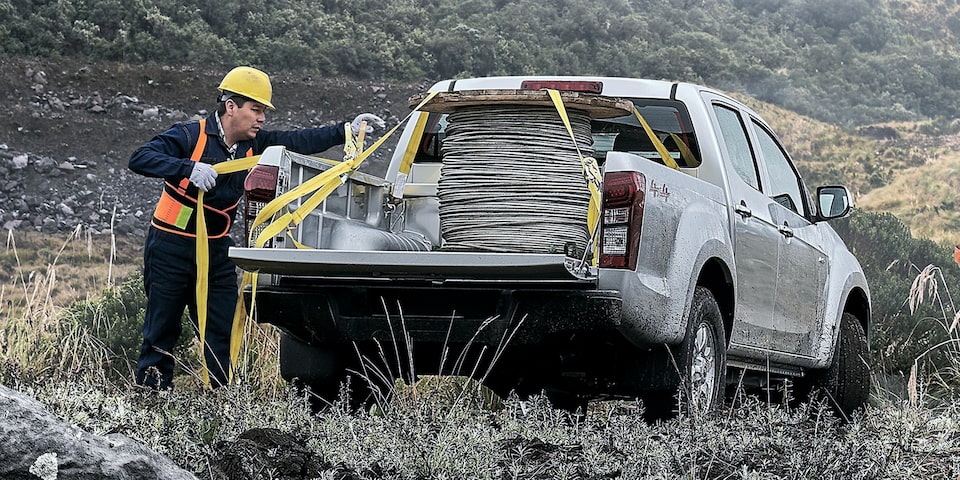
(115, 319)
(891, 259)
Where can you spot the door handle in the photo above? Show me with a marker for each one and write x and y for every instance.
(785, 230)
(743, 210)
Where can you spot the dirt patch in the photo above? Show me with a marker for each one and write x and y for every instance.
(35, 123)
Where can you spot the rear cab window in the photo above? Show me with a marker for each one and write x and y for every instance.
(433, 133)
(669, 121)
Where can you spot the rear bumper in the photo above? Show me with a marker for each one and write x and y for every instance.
(447, 315)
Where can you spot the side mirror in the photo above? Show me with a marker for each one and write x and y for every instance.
(833, 201)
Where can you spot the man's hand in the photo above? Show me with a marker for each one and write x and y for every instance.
(203, 176)
(371, 120)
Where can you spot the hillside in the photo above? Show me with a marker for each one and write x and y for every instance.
(876, 83)
(78, 122)
(70, 127)
(924, 197)
(851, 63)
(904, 168)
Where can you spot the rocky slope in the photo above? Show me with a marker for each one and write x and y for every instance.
(70, 127)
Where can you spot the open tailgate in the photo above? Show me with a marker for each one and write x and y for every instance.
(446, 266)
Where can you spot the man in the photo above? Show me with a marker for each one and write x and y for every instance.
(183, 156)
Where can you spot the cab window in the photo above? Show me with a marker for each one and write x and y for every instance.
(433, 133)
(670, 123)
(785, 186)
(735, 137)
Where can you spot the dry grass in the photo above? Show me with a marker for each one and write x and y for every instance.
(62, 314)
(40, 271)
(924, 197)
(428, 432)
(942, 383)
(41, 278)
(527, 439)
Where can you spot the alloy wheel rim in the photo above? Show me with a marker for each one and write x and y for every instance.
(703, 369)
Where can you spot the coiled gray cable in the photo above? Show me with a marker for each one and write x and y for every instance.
(512, 181)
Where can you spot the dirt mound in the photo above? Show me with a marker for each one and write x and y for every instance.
(71, 126)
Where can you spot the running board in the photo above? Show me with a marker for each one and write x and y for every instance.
(774, 368)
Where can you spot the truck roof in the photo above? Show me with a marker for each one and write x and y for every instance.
(612, 86)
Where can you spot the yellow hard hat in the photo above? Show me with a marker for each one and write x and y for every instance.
(250, 83)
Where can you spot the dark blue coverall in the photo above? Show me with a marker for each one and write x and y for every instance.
(169, 263)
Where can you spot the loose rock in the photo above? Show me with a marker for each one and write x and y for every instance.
(37, 444)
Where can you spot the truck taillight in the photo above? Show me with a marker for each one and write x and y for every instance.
(623, 196)
(261, 183)
(260, 187)
(563, 85)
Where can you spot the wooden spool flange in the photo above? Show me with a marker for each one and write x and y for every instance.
(597, 106)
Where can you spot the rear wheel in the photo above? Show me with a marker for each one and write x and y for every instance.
(322, 370)
(701, 362)
(569, 402)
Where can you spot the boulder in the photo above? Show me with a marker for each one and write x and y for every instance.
(37, 444)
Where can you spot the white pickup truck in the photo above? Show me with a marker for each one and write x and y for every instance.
(718, 269)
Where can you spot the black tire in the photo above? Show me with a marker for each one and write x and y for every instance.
(846, 381)
(701, 362)
(574, 404)
(322, 370)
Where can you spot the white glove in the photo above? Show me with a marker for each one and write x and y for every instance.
(371, 120)
(203, 176)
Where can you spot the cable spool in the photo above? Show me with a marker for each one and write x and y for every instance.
(512, 180)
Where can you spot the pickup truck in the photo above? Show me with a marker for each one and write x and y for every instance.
(709, 269)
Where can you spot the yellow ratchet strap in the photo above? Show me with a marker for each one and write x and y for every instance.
(689, 159)
(350, 145)
(320, 187)
(296, 243)
(203, 260)
(411, 152)
(240, 320)
(350, 148)
(591, 173)
(664, 154)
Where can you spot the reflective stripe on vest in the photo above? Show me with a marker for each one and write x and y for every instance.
(176, 211)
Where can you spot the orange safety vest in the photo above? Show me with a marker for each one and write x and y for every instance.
(176, 211)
